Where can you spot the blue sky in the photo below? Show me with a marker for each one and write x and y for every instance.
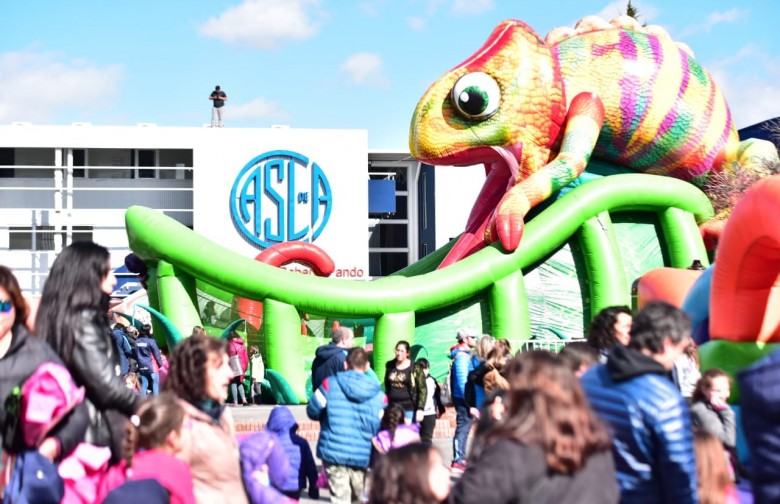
(319, 63)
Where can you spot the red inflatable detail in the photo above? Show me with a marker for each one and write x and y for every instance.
(278, 255)
(666, 284)
(745, 295)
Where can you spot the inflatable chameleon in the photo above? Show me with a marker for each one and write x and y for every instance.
(534, 111)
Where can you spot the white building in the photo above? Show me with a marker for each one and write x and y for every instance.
(59, 184)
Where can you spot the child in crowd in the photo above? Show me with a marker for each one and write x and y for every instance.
(710, 410)
(302, 466)
(154, 436)
(394, 432)
(686, 371)
(433, 408)
(132, 382)
(264, 468)
(409, 475)
(579, 357)
(712, 472)
(256, 373)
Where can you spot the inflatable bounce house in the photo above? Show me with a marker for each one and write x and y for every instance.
(601, 146)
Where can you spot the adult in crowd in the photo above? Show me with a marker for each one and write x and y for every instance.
(609, 328)
(257, 374)
(199, 375)
(329, 359)
(760, 400)
(73, 320)
(20, 356)
(237, 350)
(405, 385)
(648, 416)
(549, 448)
(132, 337)
(349, 408)
(123, 349)
(145, 350)
(461, 367)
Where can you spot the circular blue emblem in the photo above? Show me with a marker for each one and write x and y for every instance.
(280, 196)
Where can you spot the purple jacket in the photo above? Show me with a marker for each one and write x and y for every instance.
(302, 465)
(257, 450)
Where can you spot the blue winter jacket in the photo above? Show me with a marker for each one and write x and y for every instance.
(349, 406)
(328, 360)
(462, 365)
(145, 349)
(760, 400)
(302, 465)
(123, 350)
(650, 425)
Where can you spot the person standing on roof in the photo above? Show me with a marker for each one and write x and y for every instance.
(218, 98)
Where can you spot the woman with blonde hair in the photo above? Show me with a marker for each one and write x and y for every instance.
(549, 447)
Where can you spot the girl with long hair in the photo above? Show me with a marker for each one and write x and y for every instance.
(73, 320)
(411, 474)
(549, 446)
(712, 471)
(393, 432)
(199, 375)
(154, 439)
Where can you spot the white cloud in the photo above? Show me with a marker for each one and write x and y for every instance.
(39, 86)
(749, 80)
(365, 69)
(416, 23)
(472, 6)
(713, 19)
(265, 24)
(259, 108)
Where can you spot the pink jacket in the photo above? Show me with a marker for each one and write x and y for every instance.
(237, 348)
(404, 435)
(170, 472)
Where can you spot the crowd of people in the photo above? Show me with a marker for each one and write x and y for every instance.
(624, 417)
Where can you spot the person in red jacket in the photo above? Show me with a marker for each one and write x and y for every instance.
(236, 348)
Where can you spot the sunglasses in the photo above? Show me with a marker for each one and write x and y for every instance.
(5, 306)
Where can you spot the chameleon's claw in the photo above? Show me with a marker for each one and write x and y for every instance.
(509, 226)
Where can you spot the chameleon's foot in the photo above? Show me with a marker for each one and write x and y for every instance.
(509, 226)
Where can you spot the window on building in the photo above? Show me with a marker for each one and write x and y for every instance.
(7, 158)
(42, 237)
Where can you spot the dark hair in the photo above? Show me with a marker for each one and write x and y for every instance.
(656, 322)
(146, 330)
(392, 418)
(402, 476)
(119, 327)
(547, 407)
(187, 368)
(404, 344)
(601, 334)
(233, 335)
(198, 331)
(73, 285)
(422, 363)
(9, 282)
(151, 425)
(705, 382)
(357, 358)
(712, 471)
(579, 353)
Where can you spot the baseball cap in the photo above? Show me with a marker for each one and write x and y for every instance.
(466, 333)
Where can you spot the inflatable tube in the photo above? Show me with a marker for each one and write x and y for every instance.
(745, 296)
(697, 306)
(732, 357)
(666, 284)
(278, 255)
(171, 333)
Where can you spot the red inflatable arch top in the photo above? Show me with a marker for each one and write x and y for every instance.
(280, 254)
(745, 295)
(666, 284)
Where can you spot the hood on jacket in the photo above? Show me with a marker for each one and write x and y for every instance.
(358, 387)
(454, 351)
(624, 364)
(281, 420)
(325, 352)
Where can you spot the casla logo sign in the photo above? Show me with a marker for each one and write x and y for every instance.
(280, 196)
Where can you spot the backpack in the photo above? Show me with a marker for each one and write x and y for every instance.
(34, 480)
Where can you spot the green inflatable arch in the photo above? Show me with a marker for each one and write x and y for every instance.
(176, 256)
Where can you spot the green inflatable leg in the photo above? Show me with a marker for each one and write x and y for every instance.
(389, 330)
(283, 336)
(176, 301)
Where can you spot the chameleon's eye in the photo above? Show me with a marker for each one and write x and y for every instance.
(476, 95)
